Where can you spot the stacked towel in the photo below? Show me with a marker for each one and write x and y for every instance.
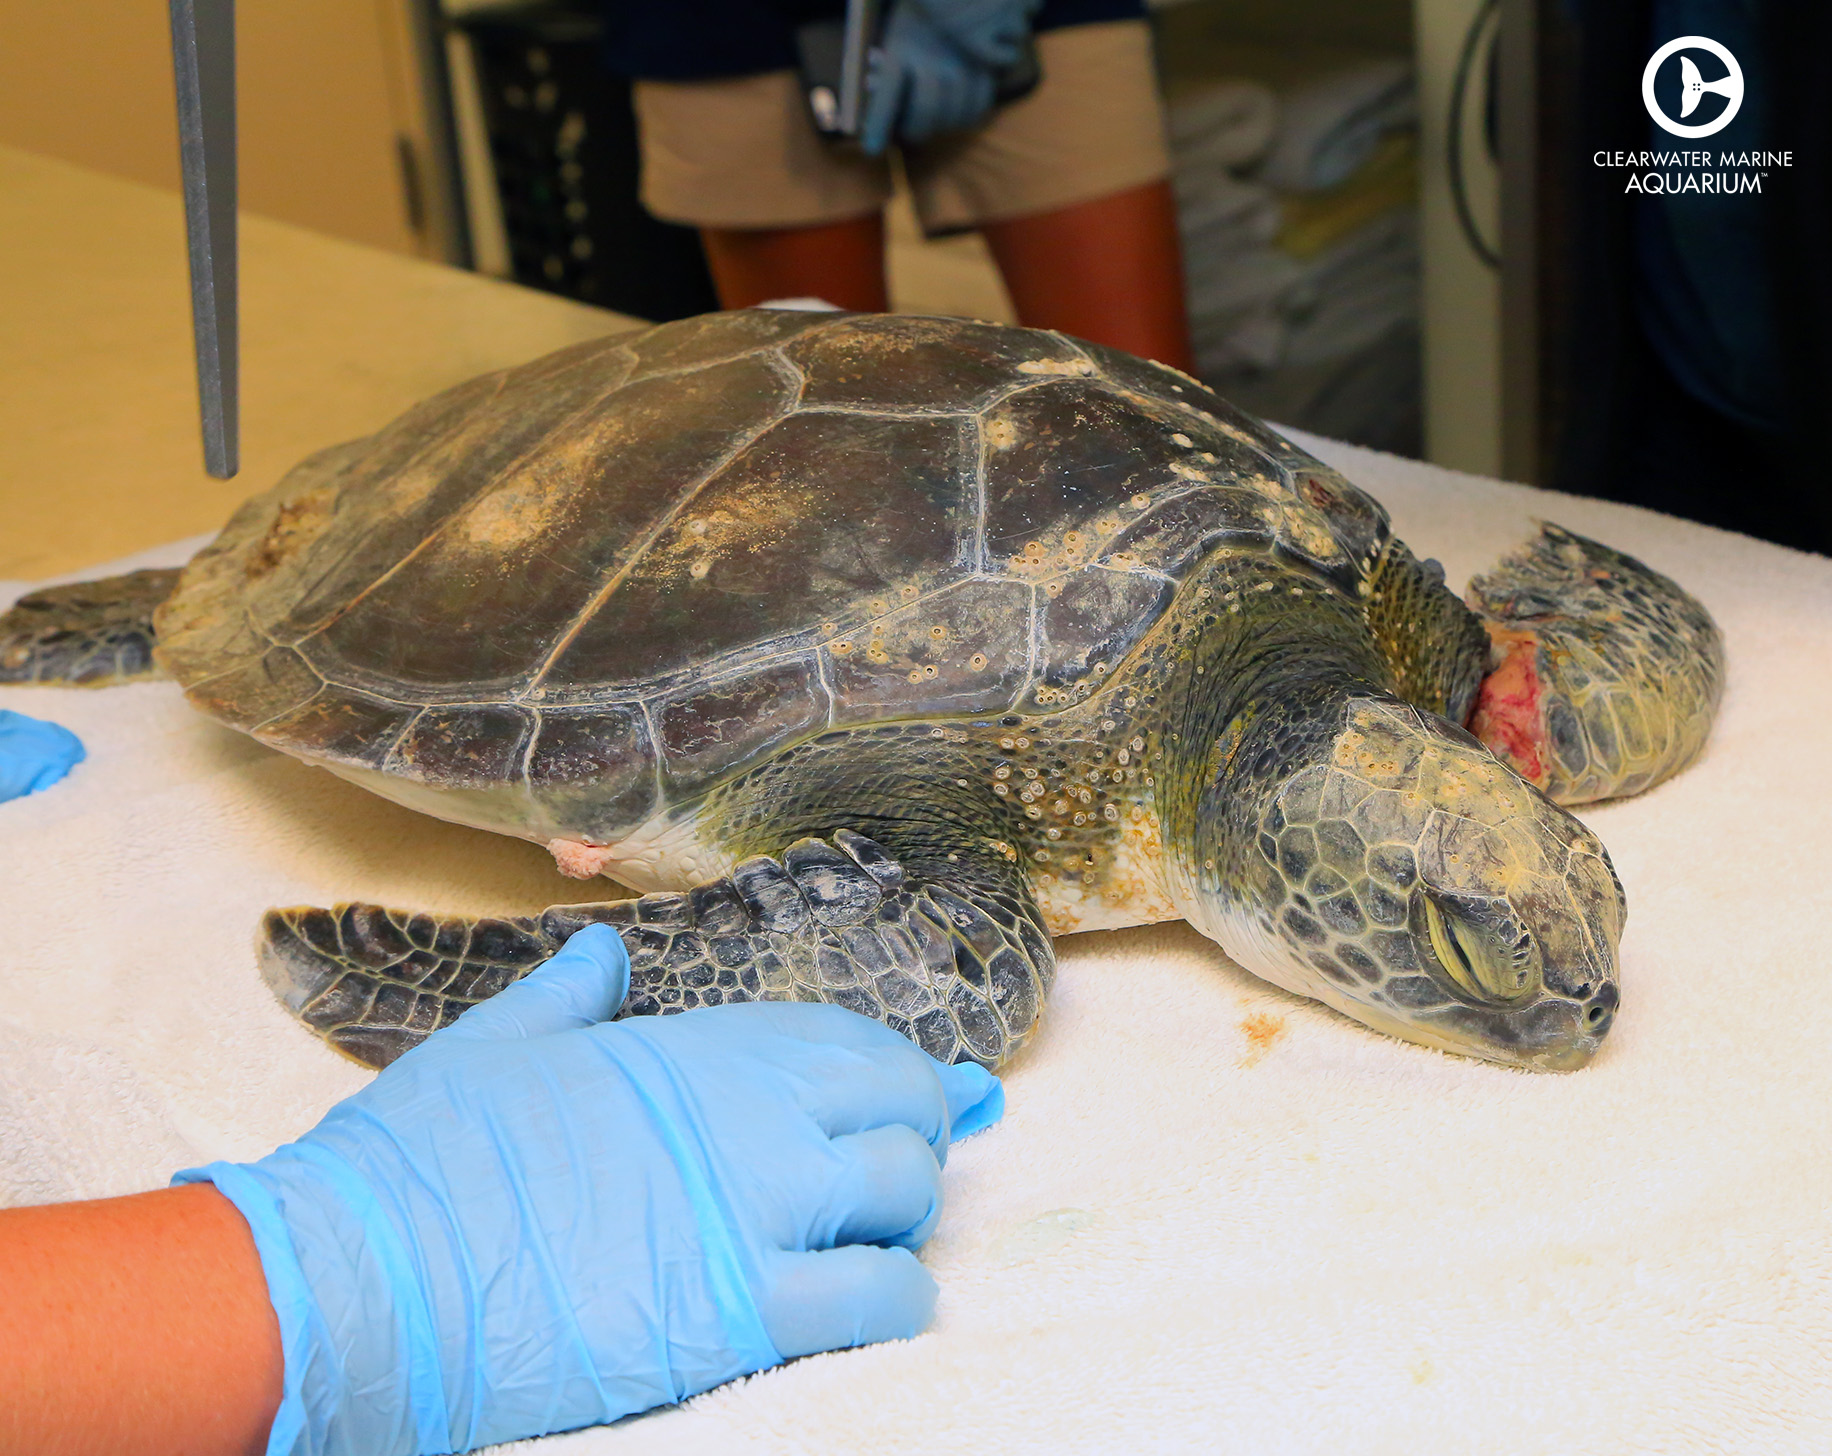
(1330, 125)
(1297, 196)
(1223, 125)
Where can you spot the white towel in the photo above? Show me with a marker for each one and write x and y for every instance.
(1216, 1218)
(1354, 292)
(1223, 124)
(1332, 123)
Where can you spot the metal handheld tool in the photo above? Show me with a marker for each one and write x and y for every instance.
(203, 56)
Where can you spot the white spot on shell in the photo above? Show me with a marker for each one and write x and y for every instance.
(699, 569)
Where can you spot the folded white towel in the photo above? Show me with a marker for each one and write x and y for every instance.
(1250, 304)
(1353, 293)
(1216, 1218)
(1260, 308)
(1219, 125)
(1329, 125)
(1224, 215)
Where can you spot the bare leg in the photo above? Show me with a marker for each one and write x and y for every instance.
(1110, 270)
(842, 262)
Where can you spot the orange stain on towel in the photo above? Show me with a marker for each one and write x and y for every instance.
(1262, 1029)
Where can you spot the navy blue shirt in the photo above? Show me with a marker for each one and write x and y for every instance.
(1704, 288)
(698, 40)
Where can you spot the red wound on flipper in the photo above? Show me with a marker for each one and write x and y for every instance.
(1509, 716)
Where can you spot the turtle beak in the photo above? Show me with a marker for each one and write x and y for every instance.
(1549, 1035)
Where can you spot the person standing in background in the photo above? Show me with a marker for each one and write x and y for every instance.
(1068, 184)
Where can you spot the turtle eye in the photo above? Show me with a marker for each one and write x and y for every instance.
(1486, 961)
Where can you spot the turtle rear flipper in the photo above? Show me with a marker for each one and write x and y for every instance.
(1604, 675)
(957, 961)
(88, 634)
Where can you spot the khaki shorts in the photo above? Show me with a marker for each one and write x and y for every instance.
(742, 153)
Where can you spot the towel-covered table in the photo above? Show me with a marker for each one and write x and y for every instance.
(1216, 1217)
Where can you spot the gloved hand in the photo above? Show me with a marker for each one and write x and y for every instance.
(922, 82)
(989, 31)
(537, 1220)
(34, 754)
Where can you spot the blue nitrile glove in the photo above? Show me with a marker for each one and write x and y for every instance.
(989, 31)
(922, 83)
(536, 1220)
(34, 754)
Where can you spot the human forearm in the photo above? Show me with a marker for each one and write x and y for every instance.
(537, 1220)
(135, 1325)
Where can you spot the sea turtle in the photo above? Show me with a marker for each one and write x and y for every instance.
(877, 650)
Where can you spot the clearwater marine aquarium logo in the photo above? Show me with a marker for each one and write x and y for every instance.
(1693, 87)
(1707, 102)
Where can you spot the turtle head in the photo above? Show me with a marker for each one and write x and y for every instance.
(1404, 875)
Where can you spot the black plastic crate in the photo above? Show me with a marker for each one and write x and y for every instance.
(563, 140)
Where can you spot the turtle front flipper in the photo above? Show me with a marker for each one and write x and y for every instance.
(88, 634)
(957, 961)
(1604, 675)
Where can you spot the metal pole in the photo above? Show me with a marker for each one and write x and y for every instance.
(203, 58)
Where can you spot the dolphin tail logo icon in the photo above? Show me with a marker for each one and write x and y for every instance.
(1692, 86)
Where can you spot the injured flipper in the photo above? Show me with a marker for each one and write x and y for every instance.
(953, 956)
(87, 634)
(1604, 675)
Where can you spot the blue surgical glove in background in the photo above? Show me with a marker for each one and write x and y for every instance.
(990, 31)
(537, 1220)
(922, 84)
(34, 754)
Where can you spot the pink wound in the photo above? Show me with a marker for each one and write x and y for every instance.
(1509, 716)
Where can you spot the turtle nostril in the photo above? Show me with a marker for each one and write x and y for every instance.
(1602, 1010)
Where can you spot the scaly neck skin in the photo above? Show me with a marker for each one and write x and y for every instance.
(1266, 663)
